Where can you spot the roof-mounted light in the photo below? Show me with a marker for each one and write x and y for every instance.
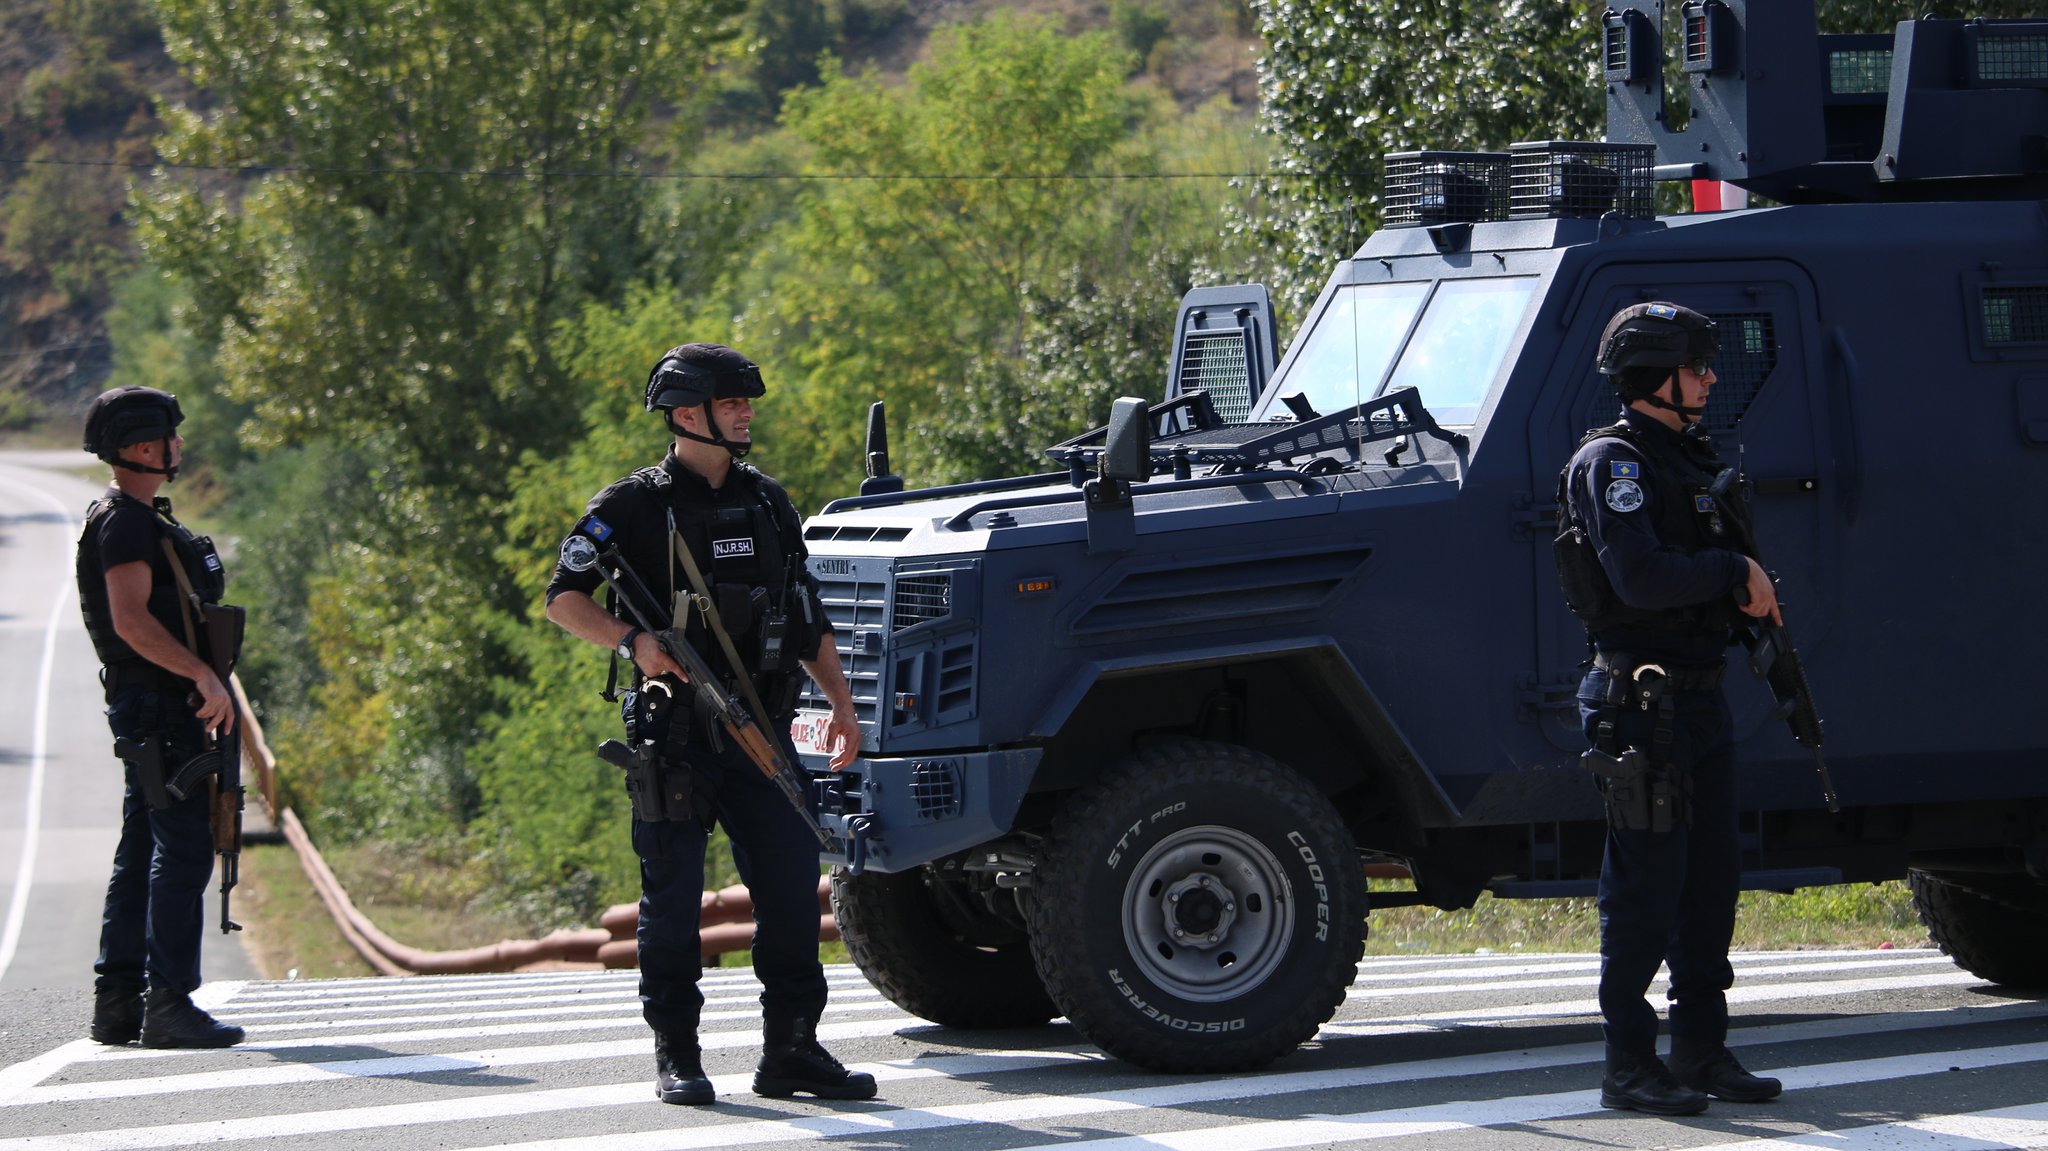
(1559, 179)
(1425, 189)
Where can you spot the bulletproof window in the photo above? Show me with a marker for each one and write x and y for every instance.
(1748, 355)
(1216, 361)
(1460, 344)
(1859, 71)
(1343, 357)
(2016, 315)
(2011, 55)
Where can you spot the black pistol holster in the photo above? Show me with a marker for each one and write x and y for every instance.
(1644, 790)
(147, 758)
(658, 781)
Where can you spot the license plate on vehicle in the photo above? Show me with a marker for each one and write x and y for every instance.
(808, 731)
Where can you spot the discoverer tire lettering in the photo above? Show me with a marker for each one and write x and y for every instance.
(919, 953)
(1200, 907)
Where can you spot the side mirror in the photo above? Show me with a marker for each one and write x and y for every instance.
(1127, 446)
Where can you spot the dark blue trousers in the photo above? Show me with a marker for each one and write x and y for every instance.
(154, 912)
(778, 861)
(1669, 897)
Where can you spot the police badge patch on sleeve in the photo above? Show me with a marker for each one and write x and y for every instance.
(578, 553)
(1624, 495)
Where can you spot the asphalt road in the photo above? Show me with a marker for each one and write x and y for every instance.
(1879, 1049)
(60, 786)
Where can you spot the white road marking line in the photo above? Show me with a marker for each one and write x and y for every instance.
(1740, 993)
(2016, 1127)
(1250, 1136)
(38, 762)
(1760, 993)
(1290, 1133)
(400, 1066)
(628, 996)
(543, 1054)
(1380, 983)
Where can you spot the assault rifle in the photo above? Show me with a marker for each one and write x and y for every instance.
(1772, 657)
(732, 714)
(223, 625)
(217, 639)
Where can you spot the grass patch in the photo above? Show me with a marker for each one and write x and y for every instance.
(286, 928)
(1850, 917)
(436, 905)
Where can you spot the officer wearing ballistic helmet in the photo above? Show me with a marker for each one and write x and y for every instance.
(1646, 561)
(138, 570)
(722, 521)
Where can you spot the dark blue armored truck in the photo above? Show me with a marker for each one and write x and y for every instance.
(1134, 727)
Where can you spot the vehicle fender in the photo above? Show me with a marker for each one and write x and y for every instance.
(1359, 708)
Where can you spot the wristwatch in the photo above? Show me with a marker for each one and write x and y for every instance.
(625, 648)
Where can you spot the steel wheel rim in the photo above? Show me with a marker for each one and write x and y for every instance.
(1211, 868)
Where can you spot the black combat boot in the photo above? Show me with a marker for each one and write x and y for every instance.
(1643, 1083)
(679, 1071)
(171, 1019)
(116, 1015)
(1718, 1073)
(792, 1061)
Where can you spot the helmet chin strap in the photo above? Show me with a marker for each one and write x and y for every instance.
(1690, 415)
(170, 474)
(715, 439)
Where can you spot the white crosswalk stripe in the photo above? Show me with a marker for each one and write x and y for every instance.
(1878, 1050)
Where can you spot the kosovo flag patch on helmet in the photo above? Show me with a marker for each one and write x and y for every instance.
(1661, 311)
(595, 528)
(1624, 469)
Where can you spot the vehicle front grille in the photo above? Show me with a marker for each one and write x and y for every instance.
(856, 601)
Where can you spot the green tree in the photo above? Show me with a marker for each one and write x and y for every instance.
(978, 184)
(1343, 83)
(387, 300)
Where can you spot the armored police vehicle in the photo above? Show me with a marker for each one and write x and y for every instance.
(1135, 728)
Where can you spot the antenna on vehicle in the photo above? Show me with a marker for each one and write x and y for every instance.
(880, 480)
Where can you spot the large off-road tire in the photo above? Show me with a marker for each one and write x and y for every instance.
(922, 941)
(1199, 908)
(1993, 926)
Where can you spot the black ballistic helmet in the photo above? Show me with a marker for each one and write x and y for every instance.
(1644, 344)
(693, 375)
(1656, 335)
(130, 415)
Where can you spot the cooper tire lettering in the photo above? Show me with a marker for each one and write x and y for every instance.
(1200, 907)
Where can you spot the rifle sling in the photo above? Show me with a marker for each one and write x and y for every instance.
(702, 590)
(186, 597)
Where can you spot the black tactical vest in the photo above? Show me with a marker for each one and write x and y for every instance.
(749, 570)
(1687, 520)
(196, 554)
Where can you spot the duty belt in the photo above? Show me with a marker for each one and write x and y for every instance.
(1629, 677)
(136, 673)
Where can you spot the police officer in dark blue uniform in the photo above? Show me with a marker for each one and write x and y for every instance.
(1647, 563)
(135, 563)
(745, 538)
